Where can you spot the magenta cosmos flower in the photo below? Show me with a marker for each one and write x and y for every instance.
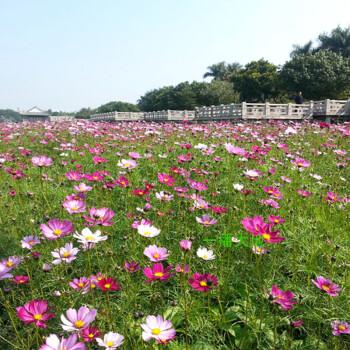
(340, 327)
(81, 284)
(74, 206)
(327, 286)
(132, 266)
(77, 320)
(82, 188)
(185, 244)
(29, 241)
(56, 228)
(273, 192)
(155, 253)
(235, 150)
(301, 163)
(55, 343)
(159, 329)
(286, 299)
(166, 179)
(206, 220)
(35, 311)
(100, 216)
(157, 272)
(203, 282)
(42, 161)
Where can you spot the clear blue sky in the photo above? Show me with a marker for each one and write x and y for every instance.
(68, 54)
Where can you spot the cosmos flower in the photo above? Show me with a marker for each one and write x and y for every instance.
(276, 220)
(252, 174)
(20, 279)
(206, 220)
(304, 193)
(238, 187)
(11, 262)
(74, 206)
(56, 228)
(65, 254)
(89, 239)
(164, 196)
(100, 216)
(89, 334)
(340, 327)
(111, 341)
(203, 282)
(35, 311)
(327, 286)
(53, 342)
(156, 327)
(166, 179)
(286, 299)
(273, 192)
(108, 284)
(81, 284)
(235, 150)
(185, 244)
(75, 321)
(155, 253)
(198, 186)
(132, 266)
(259, 250)
(127, 164)
(82, 188)
(157, 272)
(42, 161)
(301, 163)
(205, 254)
(148, 231)
(29, 241)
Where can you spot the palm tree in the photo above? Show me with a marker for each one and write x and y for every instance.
(337, 41)
(302, 49)
(222, 71)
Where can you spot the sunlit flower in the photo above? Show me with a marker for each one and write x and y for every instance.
(89, 334)
(81, 284)
(100, 216)
(340, 327)
(148, 231)
(75, 320)
(157, 272)
(185, 244)
(53, 342)
(203, 282)
(56, 228)
(29, 241)
(327, 286)
(155, 253)
(206, 220)
(89, 239)
(108, 284)
(111, 341)
(65, 254)
(159, 329)
(286, 299)
(127, 164)
(74, 206)
(42, 161)
(205, 254)
(20, 279)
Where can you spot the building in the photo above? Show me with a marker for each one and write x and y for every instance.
(35, 114)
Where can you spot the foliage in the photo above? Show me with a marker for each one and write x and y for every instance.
(319, 75)
(9, 114)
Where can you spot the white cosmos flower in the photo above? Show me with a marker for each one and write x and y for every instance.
(148, 231)
(110, 341)
(238, 187)
(205, 253)
(88, 238)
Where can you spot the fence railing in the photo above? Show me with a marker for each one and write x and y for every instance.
(242, 110)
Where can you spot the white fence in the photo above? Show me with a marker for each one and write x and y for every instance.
(242, 110)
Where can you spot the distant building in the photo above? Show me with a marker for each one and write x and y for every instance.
(35, 114)
(60, 118)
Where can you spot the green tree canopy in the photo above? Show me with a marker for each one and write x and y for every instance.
(319, 75)
(223, 71)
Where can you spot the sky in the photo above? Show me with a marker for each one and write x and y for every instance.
(68, 54)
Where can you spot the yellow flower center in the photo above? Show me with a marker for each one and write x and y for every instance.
(66, 254)
(91, 336)
(57, 232)
(156, 255)
(276, 221)
(156, 331)
(9, 263)
(75, 208)
(89, 238)
(203, 283)
(159, 274)
(109, 343)
(206, 222)
(266, 236)
(147, 233)
(341, 328)
(205, 256)
(326, 288)
(79, 324)
(38, 317)
(107, 285)
(80, 284)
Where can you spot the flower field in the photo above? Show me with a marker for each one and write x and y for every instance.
(174, 236)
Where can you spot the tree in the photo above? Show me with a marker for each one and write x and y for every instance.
(319, 75)
(9, 114)
(337, 41)
(302, 49)
(117, 106)
(222, 71)
(258, 81)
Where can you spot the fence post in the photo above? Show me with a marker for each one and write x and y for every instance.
(289, 109)
(267, 110)
(327, 106)
(311, 111)
(244, 109)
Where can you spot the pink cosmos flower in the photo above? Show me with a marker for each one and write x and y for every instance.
(4, 272)
(270, 203)
(304, 193)
(332, 197)
(273, 192)
(127, 164)
(182, 268)
(56, 228)
(301, 163)
(206, 220)
(55, 343)
(155, 253)
(157, 272)
(29, 241)
(11, 262)
(286, 299)
(166, 179)
(99, 160)
(100, 216)
(74, 206)
(65, 254)
(82, 188)
(276, 220)
(75, 320)
(20, 279)
(35, 311)
(122, 181)
(185, 244)
(134, 155)
(73, 175)
(327, 286)
(81, 284)
(235, 150)
(132, 266)
(89, 334)
(253, 174)
(340, 327)
(198, 186)
(42, 161)
(203, 282)
(159, 329)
